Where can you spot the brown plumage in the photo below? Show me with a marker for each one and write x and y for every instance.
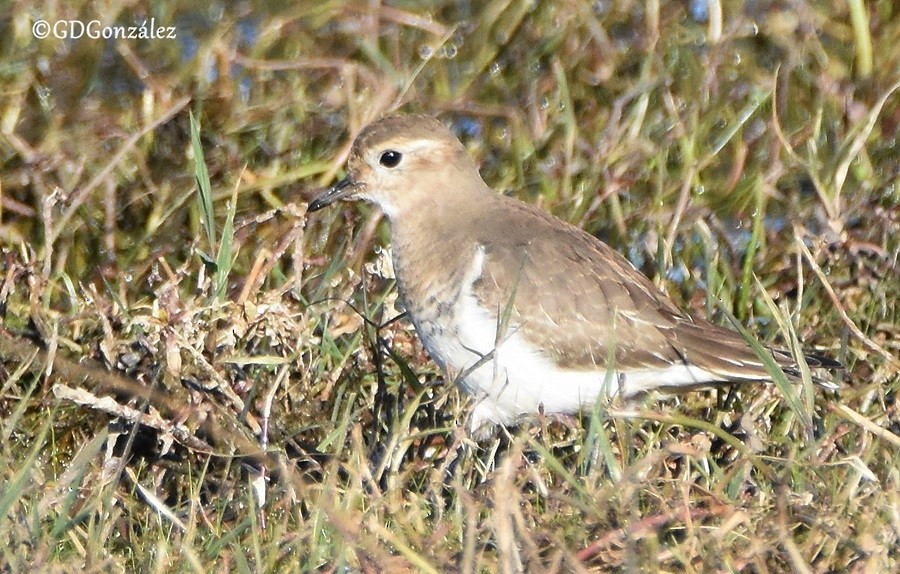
(545, 309)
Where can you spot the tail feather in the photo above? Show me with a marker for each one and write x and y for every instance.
(814, 361)
(726, 354)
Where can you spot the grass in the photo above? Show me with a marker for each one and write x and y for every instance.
(196, 377)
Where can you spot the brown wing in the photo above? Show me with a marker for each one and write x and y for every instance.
(596, 301)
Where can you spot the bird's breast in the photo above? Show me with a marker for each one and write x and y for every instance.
(433, 284)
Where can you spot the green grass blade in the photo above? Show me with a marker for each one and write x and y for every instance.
(15, 488)
(225, 256)
(755, 244)
(204, 187)
(778, 377)
(791, 335)
(758, 98)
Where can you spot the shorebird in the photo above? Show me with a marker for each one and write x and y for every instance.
(528, 313)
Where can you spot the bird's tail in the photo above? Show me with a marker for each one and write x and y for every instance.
(815, 361)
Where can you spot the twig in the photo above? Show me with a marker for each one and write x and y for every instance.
(78, 198)
(866, 424)
(840, 307)
(218, 426)
(645, 526)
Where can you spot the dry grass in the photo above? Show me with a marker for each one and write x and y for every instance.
(748, 164)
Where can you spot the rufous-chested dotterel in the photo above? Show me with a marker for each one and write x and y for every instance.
(529, 313)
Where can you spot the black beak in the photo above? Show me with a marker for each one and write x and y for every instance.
(338, 191)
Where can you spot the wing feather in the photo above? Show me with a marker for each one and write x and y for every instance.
(581, 302)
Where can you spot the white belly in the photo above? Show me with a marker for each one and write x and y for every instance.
(509, 377)
(506, 375)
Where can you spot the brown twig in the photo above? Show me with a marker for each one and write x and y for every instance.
(892, 360)
(645, 526)
(95, 379)
(79, 197)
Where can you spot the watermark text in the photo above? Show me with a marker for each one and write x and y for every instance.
(95, 29)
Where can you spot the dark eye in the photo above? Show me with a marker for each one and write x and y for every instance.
(390, 158)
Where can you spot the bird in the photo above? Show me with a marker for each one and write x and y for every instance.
(529, 314)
